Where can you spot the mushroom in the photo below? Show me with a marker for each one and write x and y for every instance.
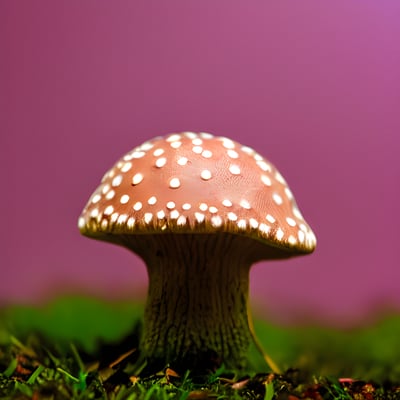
(199, 210)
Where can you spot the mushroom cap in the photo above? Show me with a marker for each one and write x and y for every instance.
(197, 183)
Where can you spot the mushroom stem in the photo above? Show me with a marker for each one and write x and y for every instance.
(196, 311)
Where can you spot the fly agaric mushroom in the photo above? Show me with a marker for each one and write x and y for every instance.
(199, 210)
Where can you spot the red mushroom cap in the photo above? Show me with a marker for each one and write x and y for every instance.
(197, 183)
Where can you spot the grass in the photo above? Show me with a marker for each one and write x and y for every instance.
(81, 348)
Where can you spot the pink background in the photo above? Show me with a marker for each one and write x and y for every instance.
(312, 85)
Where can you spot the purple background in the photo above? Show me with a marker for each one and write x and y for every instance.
(312, 85)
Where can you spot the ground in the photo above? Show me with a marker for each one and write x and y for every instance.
(85, 348)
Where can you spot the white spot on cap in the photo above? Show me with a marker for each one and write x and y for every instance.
(181, 220)
(288, 193)
(176, 145)
(186, 206)
(122, 218)
(303, 228)
(253, 223)
(110, 195)
(227, 143)
(160, 162)
(190, 135)
(270, 218)
(138, 154)
(264, 228)
(158, 152)
(81, 223)
(203, 206)
(297, 213)
(174, 214)
(161, 214)
(206, 174)
(137, 178)
(245, 204)
(182, 160)
(206, 135)
(147, 217)
(131, 222)
(280, 178)
(216, 221)
(126, 167)
(137, 206)
(109, 210)
(199, 217)
(279, 234)
(312, 240)
(234, 169)
(277, 199)
(174, 183)
(96, 198)
(146, 146)
(241, 224)
(226, 203)
(104, 224)
(106, 188)
(292, 240)
(197, 149)
(114, 217)
(206, 154)
(213, 209)
(232, 153)
(301, 236)
(152, 200)
(291, 221)
(94, 213)
(232, 216)
(116, 181)
(197, 142)
(265, 180)
(173, 138)
(124, 199)
(247, 150)
(264, 166)
(170, 205)
(108, 174)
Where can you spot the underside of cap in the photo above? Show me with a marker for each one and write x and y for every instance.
(123, 235)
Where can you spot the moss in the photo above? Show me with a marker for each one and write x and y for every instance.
(83, 348)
